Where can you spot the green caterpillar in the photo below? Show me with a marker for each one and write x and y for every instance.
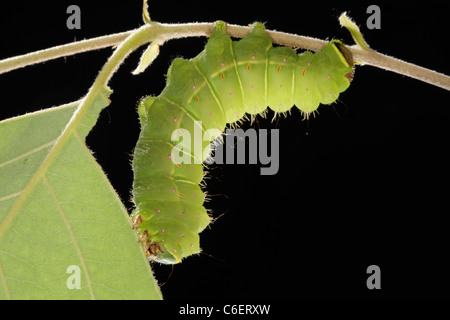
(219, 86)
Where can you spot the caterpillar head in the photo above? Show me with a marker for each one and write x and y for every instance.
(347, 55)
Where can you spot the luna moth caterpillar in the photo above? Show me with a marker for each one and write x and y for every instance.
(223, 83)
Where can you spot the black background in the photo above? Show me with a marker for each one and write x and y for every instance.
(364, 183)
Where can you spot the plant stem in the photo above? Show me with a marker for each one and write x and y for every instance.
(62, 51)
(165, 32)
(382, 61)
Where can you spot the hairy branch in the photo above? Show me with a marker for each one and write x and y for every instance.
(62, 51)
(165, 32)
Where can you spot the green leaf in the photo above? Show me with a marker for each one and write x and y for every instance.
(145, 14)
(346, 22)
(147, 57)
(59, 214)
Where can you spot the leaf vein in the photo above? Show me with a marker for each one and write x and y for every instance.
(72, 236)
(5, 284)
(23, 155)
(10, 196)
